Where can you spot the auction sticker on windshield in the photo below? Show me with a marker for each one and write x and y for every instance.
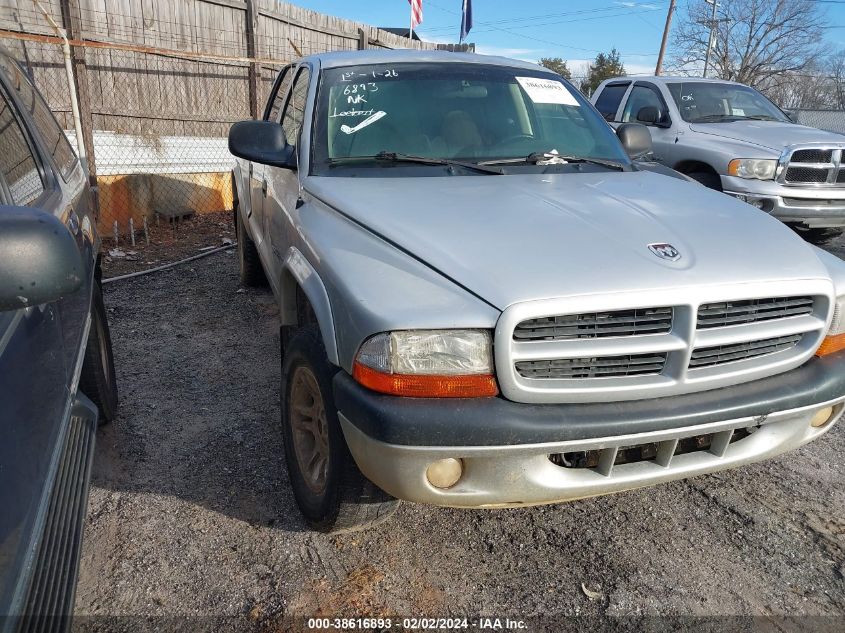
(547, 91)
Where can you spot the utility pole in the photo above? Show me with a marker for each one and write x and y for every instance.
(712, 34)
(659, 68)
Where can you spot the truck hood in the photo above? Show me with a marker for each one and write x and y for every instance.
(772, 135)
(522, 237)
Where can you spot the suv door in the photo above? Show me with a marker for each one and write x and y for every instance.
(34, 392)
(74, 206)
(645, 94)
(257, 172)
(283, 184)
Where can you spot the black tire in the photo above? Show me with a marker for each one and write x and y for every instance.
(348, 501)
(98, 380)
(252, 273)
(819, 237)
(709, 179)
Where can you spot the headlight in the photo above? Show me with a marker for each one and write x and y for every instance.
(428, 364)
(835, 340)
(761, 169)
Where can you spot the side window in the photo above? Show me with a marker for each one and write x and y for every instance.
(610, 98)
(641, 96)
(295, 108)
(54, 138)
(18, 167)
(277, 95)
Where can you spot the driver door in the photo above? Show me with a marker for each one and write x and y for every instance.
(257, 171)
(283, 184)
(644, 94)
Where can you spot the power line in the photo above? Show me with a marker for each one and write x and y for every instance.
(535, 39)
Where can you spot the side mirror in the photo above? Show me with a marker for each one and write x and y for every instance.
(648, 115)
(636, 139)
(651, 115)
(40, 261)
(262, 142)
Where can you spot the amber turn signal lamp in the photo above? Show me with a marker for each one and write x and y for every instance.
(831, 345)
(426, 386)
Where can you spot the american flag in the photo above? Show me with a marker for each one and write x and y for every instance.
(416, 12)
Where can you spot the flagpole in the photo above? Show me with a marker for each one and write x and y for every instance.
(411, 30)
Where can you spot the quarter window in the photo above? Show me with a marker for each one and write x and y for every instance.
(18, 167)
(295, 109)
(609, 100)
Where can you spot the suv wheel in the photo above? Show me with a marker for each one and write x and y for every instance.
(252, 274)
(330, 491)
(709, 179)
(98, 380)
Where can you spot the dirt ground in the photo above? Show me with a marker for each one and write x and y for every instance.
(169, 242)
(191, 521)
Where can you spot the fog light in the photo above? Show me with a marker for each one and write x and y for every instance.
(445, 473)
(822, 417)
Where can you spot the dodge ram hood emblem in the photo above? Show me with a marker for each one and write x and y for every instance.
(665, 251)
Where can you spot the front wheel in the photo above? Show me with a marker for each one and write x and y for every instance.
(709, 179)
(330, 491)
(98, 380)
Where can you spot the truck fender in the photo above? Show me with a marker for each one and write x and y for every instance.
(298, 269)
(241, 190)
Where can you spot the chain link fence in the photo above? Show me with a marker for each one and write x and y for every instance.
(158, 84)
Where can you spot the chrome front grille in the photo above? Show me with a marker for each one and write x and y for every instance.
(752, 311)
(595, 325)
(814, 166)
(597, 349)
(720, 354)
(596, 367)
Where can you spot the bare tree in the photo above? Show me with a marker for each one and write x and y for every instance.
(756, 41)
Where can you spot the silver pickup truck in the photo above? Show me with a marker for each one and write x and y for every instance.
(485, 302)
(733, 139)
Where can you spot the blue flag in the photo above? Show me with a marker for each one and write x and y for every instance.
(466, 19)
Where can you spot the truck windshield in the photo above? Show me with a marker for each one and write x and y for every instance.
(453, 111)
(706, 102)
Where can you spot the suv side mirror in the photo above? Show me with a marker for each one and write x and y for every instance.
(648, 115)
(651, 115)
(636, 139)
(40, 261)
(262, 142)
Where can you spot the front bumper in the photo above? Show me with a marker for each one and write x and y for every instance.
(506, 447)
(813, 207)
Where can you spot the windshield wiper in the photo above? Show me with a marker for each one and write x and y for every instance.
(396, 157)
(554, 158)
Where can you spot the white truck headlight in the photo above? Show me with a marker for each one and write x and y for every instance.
(757, 168)
(835, 339)
(428, 364)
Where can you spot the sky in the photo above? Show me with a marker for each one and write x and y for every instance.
(574, 30)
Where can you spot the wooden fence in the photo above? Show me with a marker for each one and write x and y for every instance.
(159, 82)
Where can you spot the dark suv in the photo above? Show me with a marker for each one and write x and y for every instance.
(54, 347)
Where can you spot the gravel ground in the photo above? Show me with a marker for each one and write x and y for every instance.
(191, 516)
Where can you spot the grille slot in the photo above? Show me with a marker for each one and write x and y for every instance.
(806, 174)
(710, 356)
(599, 367)
(723, 314)
(812, 156)
(595, 325)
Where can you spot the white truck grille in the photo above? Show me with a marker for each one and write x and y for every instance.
(596, 349)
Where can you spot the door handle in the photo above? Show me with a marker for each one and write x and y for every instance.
(264, 188)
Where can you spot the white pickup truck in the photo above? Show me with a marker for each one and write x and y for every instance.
(731, 138)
